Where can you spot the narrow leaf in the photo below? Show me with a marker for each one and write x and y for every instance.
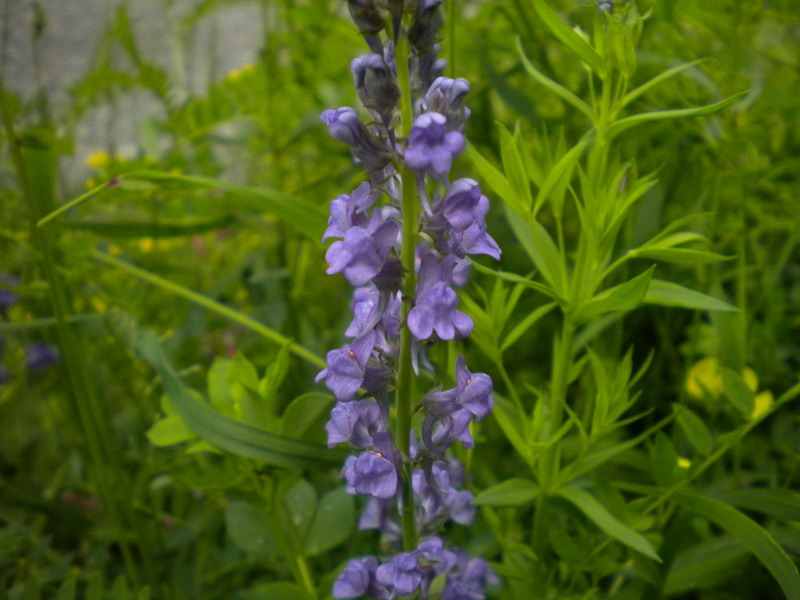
(570, 38)
(667, 293)
(608, 523)
(560, 173)
(491, 175)
(515, 169)
(751, 534)
(551, 85)
(513, 492)
(620, 298)
(700, 111)
(695, 430)
(635, 93)
(681, 256)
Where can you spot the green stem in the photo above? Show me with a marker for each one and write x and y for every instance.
(405, 375)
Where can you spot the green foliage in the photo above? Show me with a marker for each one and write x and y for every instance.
(641, 329)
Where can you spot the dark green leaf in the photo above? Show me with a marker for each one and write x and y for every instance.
(334, 521)
(570, 38)
(623, 297)
(514, 492)
(667, 293)
(250, 529)
(694, 429)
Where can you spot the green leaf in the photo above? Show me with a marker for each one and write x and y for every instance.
(737, 391)
(169, 431)
(780, 503)
(664, 461)
(694, 429)
(514, 278)
(526, 324)
(67, 589)
(681, 256)
(278, 590)
(540, 248)
(700, 111)
(515, 169)
(551, 85)
(635, 93)
(334, 522)
(667, 293)
(160, 228)
(570, 38)
(301, 501)
(496, 180)
(706, 565)
(304, 412)
(621, 298)
(511, 418)
(250, 529)
(750, 533)
(560, 174)
(608, 523)
(228, 434)
(513, 492)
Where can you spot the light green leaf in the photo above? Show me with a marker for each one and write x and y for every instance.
(570, 38)
(608, 523)
(510, 418)
(168, 431)
(514, 278)
(303, 413)
(334, 522)
(626, 123)
(751, 534)
(278, 590)
(667, 293)
(228, 434)
(250, 528)
(551, 85)
(781, 503)
(560, 174)
(622, 298)
(737, 391)
(515, 169)
(635, 93)
(496, 180)
(681, 256)
(695, 430)
(540, 248)
(513, 492)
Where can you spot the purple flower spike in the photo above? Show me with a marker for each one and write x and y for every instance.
(435, 308)
(375, 84)
(402, 573)
(474, 390)
(7, 296)
(470, 580)
(357, 578)
(463, 204)
(431, 146)
(346, 367)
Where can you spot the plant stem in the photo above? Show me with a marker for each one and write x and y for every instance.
(405, 375)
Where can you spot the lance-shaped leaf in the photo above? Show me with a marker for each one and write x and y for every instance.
(513, 492)
(679, 113)
(621, 298)
(608, 523)
(667, 293)
(570, 38)
(228, 434)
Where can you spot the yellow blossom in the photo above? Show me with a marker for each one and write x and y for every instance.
(98, 160)
(704, 379)
(762, 403)
(237, 74)
(684, 463)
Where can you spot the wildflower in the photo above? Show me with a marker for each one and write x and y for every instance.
(435, 308)
(375, 84)
(355, 422)
(349, 210)
(98, 160)
(446, 96)
(469, 579)
(346, 367)
(358, 579)
(345, 126)
(402, 573)
(464, 204)
(431, 146)
(360, 256)
(40, 356)
(373, 473)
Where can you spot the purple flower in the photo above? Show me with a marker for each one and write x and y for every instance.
(439, 433)
(350, 210)
(7, 297)
(431, 146)
(475, 240)
(402, 573)
(360, 256)
(358, 579)
(435, 307)
(464, 205)
(346, 367)
(355, 422)
(446, 96)
(374, 473)
(377, 514)
(40, 356)
(469, 579)
(375, 84)
(369, 21)
(345, 126)
(474, 390)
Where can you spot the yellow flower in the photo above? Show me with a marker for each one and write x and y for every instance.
(762, 404)
(704, 379)
(98, 160)
(684, 463)
(237, 74)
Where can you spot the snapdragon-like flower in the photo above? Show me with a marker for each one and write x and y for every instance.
(40, 356)
(350, 210)
(431, 146)
(355, 422)
(362, 253)
(358, 579)
(375, 84)
(345, 126)
(435, 308)
(446, 97)
(374, 473)
(346, 367)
